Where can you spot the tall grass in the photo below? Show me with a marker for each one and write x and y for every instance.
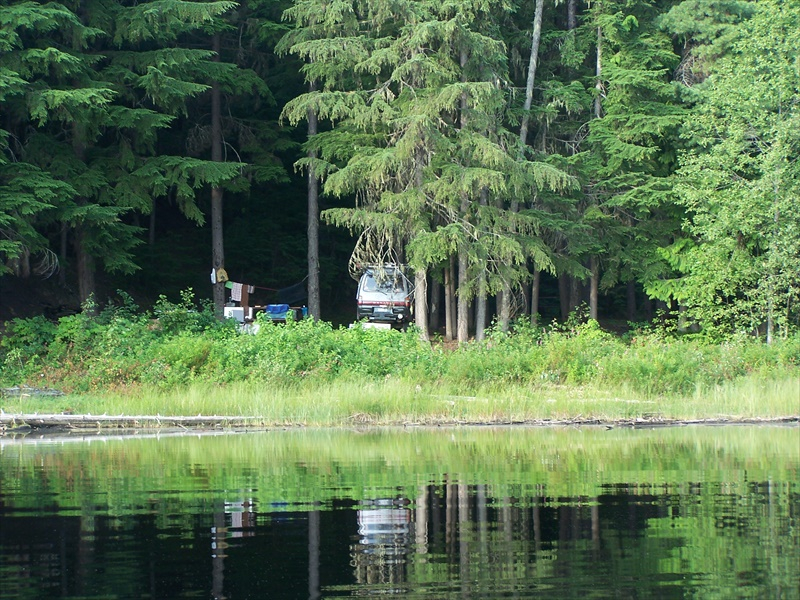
(180, 360)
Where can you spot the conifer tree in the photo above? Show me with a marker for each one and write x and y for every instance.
(104, 80)
(631, 146)
(27, 192)
(418, 134)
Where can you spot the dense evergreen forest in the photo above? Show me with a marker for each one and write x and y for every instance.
(522, 158)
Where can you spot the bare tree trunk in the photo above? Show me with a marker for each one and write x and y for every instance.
(480, 297)
(631, 300)
(574, 293)
(421, 303)
(217, 241)
(594, 262)
(572, 21)
(435, 304)
(84, 262)
(598, 71)
(420, 275)
(463, 301)
(594, 266)
(563, 295)
(449, 304)
(85, 267)
(314, 306)
(62, 255)
(533, 61)
(504, 307)
(536, 38)
(771, 284)
(535, 291)
(481, 307)
(463, 258)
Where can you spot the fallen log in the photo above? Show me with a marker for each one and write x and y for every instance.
(25, 390)
(71, 421)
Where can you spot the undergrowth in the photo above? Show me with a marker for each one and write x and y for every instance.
(179, 344)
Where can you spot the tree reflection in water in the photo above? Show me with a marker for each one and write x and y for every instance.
(648, 514)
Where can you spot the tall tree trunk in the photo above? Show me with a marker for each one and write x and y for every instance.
(572, 21)
(536, 38)
(85, 267)
(631, 300)
(563, 295)
(217, 242)
(84, 262)
(504, 310)
(594, 284)
(594, 261)
(480, 296)
(774, 251)
(481, 307)
(420, 275)
(533, 61)
(62, 255)
(463, 301)
(449, 304)
(313, 223)
(151, 227)
(574, 293)
(421, 303)
(463, 258)
(598, 71)
(435, 304)
(535, 291)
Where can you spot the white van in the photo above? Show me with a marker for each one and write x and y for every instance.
(385, 295)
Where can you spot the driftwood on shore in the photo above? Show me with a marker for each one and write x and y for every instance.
(71, 421)
(83, 422)
(26, 390)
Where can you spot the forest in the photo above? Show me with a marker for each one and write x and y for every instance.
(524, 159)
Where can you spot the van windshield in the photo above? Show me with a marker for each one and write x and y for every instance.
(388, 283)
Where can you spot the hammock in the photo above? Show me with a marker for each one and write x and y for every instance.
(294, 293)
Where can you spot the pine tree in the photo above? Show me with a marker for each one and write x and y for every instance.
(27, 193)
(418, 135)
(105, 79)
(628, 204)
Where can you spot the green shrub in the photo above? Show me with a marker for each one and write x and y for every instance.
(179, 344)
(185, 316)
(28, 337)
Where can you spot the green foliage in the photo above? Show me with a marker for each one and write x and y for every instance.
(417, 135)
(22, 345)
(739, 184)
(184, 316)
(181, 343)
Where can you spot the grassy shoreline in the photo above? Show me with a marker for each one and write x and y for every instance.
(389, 403)
(180, 361)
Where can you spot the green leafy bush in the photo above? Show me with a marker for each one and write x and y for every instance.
(28, 337)
(179, 344)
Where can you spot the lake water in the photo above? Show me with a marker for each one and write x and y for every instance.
(700, 512)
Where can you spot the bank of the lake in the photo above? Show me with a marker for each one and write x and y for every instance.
(179, 362)
(386, 403)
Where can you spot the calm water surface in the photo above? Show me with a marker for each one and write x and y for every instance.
(688, 512)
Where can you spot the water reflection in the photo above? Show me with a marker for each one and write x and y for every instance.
(449, 514)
